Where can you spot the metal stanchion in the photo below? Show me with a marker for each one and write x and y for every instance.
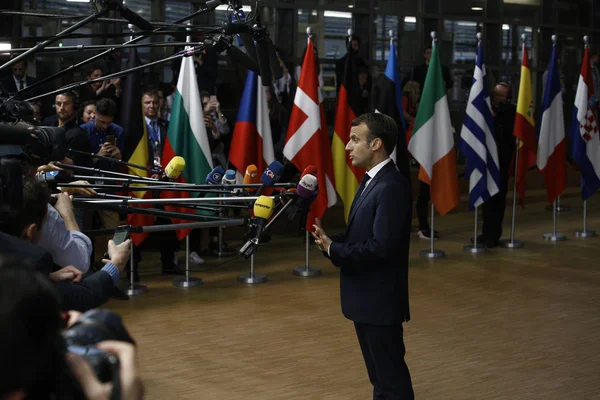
(306, 270)
(134, 289)
(431, 252)
(554, 236)
(559, 207)
(252, 278)
(475, 249)
(512, 243)
(585, 233)
(187, 281)
(222, 251)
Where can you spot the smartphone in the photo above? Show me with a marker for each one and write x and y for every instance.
(121, 234)
(111, 139)
(213, 98)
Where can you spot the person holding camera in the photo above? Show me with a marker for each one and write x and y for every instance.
(42, 343)
(106, 138)
(504, 113)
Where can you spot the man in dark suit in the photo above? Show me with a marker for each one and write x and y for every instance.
(373, 256)
(18, 79)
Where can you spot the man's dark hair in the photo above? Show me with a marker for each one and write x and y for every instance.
(150, 91)
(72, 95)
(204, 94)
(30, 325)
(380, 126)
(106, 107)
(33, 209)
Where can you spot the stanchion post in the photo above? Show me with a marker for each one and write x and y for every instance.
(475, 249)
(512, 243)
(187, 281)
(585, 233)
(252, 278)
(134, 289)
(431, 252)
(306, 270)
(554, 236)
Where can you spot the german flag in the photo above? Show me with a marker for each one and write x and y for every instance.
(525, 127)
(347, 177)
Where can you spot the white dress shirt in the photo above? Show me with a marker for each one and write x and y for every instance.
(66, 247)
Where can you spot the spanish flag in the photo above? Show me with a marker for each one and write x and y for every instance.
(525, 127)
(347, 177)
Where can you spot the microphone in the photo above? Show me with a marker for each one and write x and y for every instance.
(229, 178)
(54, 178)
(263, 210)
(270, 177)
(251, 177)
(311, 169)
(215, 176)
(173, 169)
(307, 187)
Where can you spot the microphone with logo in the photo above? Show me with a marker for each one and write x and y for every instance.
(307, 192)
(173, 169)
(271, 176)
(215, 176)
(251, 177)
(263, 210)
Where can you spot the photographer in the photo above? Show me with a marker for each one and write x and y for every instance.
(33, 340)
(26, 222)
(504, 113)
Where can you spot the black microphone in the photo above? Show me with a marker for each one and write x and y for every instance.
(54, 178)
(262, 53)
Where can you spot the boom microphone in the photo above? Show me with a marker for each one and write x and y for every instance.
(270, 177)
(251, 176)
(173, 169)
(215, 176)
(263, 210)
(54, 178)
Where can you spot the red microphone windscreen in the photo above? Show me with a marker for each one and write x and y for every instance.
(311, 169)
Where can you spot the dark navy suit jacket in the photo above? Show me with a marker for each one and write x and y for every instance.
(373, 252)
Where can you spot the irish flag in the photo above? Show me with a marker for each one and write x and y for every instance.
(187, 136)
(432, 142)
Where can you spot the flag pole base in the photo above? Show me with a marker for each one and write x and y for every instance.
(187, 282)
(511, 244)
(554, 237)
(585, 234)
(135, 290)
(303, 271)
(431, 254)
(252, 279)
(475, 250)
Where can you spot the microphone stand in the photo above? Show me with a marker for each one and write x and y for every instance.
(197, 207)
(128, 188)
(109, 173)
(81, 47)
(113, 160)
(103, 54)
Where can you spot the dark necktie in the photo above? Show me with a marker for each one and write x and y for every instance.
(21, 85)
(363, 184)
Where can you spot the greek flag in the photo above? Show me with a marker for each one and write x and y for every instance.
(477, 140)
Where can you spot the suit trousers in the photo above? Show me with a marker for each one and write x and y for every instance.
(493, 212)
(383, 351)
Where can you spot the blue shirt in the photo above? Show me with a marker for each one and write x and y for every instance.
(98, 138)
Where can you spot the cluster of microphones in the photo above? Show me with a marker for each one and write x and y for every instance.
(272, 198)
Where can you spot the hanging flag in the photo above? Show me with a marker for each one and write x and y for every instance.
(252, 142)
(307, 141)
(347, 177)
(584, 131)
(432, 143)
(552, 150)
(477, 140)
(525, 127)
(388, 100)
(186, 136)
(136, 140)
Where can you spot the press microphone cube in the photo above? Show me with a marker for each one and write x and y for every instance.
(307, 186)
(174, 168)
(229, 178)
(263, 207)
(215, 176)
(272, 174)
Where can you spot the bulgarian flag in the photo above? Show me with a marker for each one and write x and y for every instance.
(525, 127)
(187, 136)
(432, 142)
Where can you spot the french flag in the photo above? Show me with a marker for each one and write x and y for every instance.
(584, 132)
(552, 150)
(252, 142)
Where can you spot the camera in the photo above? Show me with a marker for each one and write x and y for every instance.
(95, 326)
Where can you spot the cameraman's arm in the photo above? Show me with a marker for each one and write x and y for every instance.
(67, 247)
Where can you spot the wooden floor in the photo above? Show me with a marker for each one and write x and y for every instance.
(520, 324)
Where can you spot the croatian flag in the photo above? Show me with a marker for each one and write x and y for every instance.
(552, 149)
(477, 140)
(584, 132)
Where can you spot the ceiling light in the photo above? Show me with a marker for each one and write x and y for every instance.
(477, 8)
(505, 27)
(410, 20)
(350, 6)
(337, 14)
